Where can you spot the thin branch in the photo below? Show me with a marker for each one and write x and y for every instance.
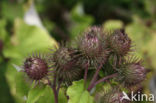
(86, 73)
(95, 75)
(105, 78)
(58, 88)
(54, 89)
(55, 94)
(54, 82)
(102, 80)
(53, 86)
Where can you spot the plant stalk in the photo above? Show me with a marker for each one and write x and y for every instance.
(55, 94)
(53, 86)
(95, 75)
(86, 73)
(102, 80)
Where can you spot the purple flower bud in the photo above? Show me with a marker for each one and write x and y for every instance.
(90, 43)
(93, 44)
(35, 68)
(120, 42)
(133, 74)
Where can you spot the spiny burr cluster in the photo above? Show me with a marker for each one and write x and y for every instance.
(95, 50)
(36, 68)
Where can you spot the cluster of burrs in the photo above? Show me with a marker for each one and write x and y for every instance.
(94, 52)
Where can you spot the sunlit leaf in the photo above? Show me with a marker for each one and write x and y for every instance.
(77, 93)
(112, 25)
(35, 93)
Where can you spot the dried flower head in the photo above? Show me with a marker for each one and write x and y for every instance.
(36, 67)
(66, 64)
(93, 44)
(120, 43)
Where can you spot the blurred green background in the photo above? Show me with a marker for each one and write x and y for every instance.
(27, 26)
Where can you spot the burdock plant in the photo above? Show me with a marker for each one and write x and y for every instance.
(98, 57)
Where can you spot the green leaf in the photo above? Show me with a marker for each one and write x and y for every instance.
(113, 24)
(17, 81)
(150, 6)
(140, 35)
(48, 96)
(3, 32)
(62, 97)
(28, 39)
(35, 93)
(152, 51)
(5, 94)
(45, 94)
(12, 10)
(77, 93)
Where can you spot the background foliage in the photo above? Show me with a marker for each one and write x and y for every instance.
(62, 20)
